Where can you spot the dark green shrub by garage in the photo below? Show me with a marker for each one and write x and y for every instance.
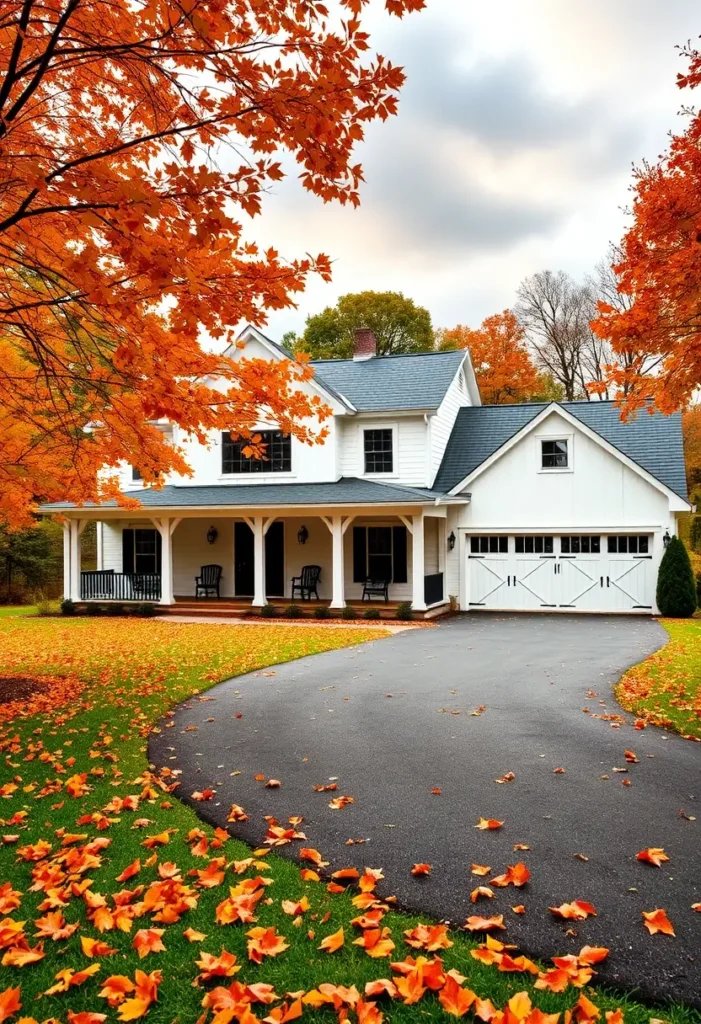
(676, 590)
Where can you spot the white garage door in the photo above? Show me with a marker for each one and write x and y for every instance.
(561, 573)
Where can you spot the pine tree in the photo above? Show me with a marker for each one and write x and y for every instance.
(676, 591)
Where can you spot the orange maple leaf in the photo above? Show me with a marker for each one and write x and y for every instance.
(654, 855)
(657, 921)
(486, 824)
(333, 942)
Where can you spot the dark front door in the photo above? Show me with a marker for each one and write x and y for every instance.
(275, 560)
(243, 560)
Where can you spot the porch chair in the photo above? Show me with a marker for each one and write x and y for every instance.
(306, 584)
(208, 580)
(375, 588)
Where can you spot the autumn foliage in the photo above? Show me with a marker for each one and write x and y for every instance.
(658, 272)
(134, 139)
(501, 360)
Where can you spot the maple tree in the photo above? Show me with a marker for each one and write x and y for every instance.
(122, 241)
(501, 360)
(658, 270)
(399, 326)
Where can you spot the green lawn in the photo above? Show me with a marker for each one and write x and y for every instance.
(133, 671)
(11, 610)
(666, 688)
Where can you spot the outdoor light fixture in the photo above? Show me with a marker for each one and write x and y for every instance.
(212, 534)
(302, 535)
(451, 541)
(666, 540)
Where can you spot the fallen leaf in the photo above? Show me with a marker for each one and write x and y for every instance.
(657, 921)
(488, 823)
(654, 855)
(333, 942)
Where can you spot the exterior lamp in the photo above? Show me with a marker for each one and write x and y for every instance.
(451, 541)
(302, 535)
(666, 540)
(212, 534)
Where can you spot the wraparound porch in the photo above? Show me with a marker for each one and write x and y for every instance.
(147, 558)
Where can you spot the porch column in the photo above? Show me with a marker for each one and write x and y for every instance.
(417, 563)
(166, 528)
(259, 597)
(67, 560)
(337, 526)
(74, 560)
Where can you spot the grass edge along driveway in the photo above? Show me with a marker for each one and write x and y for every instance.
(111, 851)
(665, 689)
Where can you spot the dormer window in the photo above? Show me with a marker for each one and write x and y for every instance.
(378, 449)
(554, 454)
(277, 454)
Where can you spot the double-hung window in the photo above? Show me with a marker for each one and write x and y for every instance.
(276, 450)
(378, 450)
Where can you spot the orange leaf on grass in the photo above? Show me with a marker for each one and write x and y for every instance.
(333, 942)
(116, 988)
(578, 910)
(264, 942)
(70, 979)
(192, 935)
(490, 824)
(130, 870)
(654, 855)
(295, 907)
(53, 926)
(148, 940)
(23, 954)
(657, 921)
(85, 1017)
(10, 1002)
(95, 947)
(381, 987)
(376, 942)
(455, 999)
(222, 966)
(429, 937)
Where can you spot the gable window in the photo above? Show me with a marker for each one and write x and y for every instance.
(135, 474)
(554, 454)
(277, 454)
(534, 545)
(489, 545)
(378, 450)
(580, 545)
(635, 545)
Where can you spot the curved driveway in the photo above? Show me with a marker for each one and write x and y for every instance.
(392, 719)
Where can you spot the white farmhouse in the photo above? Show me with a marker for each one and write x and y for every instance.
(418, 493)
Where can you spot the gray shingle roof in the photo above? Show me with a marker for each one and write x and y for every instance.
(653, 441)
(346, 491)
(385, 383)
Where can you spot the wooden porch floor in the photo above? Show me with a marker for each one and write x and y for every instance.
(231, 607)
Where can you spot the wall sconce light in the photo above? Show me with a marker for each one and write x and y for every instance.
(212, 534)
(451, 541)
(302, 535)
(666, 540)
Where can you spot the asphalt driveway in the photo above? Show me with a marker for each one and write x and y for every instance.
(455, 708)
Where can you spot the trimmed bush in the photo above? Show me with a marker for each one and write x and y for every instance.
(115, 609)
(676, 589)
(268, 611)
(349, 612)
(293, 611)
(145, 611)
(404, 611)
(94, 609)
(371, 613)
(322, 612)
(68, 607)
(44, 604)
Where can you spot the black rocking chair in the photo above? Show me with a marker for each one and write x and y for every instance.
(208, 581)
(306, 583)
(375, 588)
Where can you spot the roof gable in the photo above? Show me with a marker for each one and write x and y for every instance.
(653, 442)
(388, 383)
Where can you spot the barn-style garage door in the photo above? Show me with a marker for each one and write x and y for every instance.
(561, 573)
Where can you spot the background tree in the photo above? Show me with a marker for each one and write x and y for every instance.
(121, 243)
(399, 325)
(691, 432)
(501, 360)
(659, 271)
(31, 560)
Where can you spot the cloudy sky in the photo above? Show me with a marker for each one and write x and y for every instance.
(512, 152)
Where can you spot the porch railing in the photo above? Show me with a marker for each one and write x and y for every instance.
(433, 588)
(106, 585)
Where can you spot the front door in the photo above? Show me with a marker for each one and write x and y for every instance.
(243, 560)
(275, 560)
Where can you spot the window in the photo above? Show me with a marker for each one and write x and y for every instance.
(277, 455)
(135, 474)
(631, 545)
(489, 545)
(378, 451)
(554, 454)
(380, 553)
(534, 545)
(580, 545)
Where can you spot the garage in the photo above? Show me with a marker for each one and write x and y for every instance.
(561, 572)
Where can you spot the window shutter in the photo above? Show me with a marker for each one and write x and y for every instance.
(159, 546)
(360, 569)
(127, 550)
(399, 568)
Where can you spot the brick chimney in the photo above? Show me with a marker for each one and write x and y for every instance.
(364, 343)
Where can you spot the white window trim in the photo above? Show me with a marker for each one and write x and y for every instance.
(381, 425)
(559, 436)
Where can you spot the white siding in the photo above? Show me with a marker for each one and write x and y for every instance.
(442, 423)
(410, 446)
(191, 550)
